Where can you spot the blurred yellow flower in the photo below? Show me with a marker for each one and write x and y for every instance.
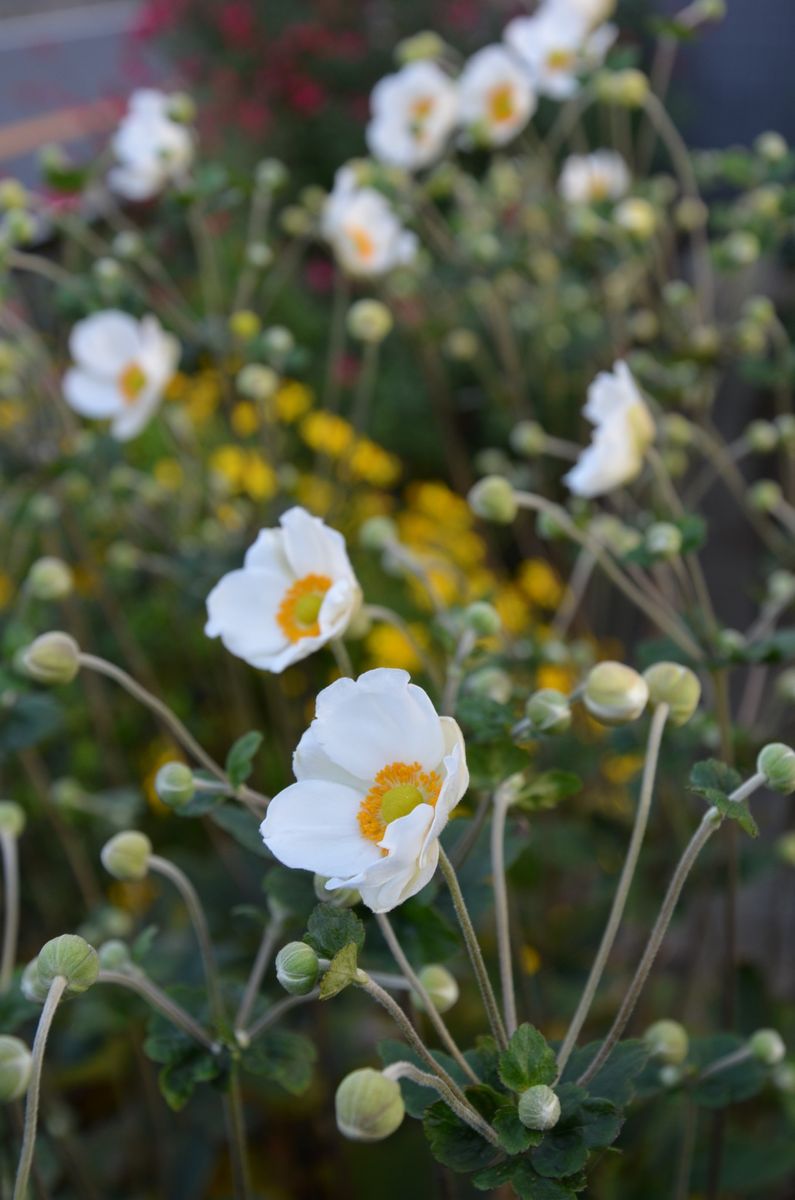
(292, 400)
(169, 474)
(258, 478)
(326, 433)
(513, 608)
(315, 494)
(531, 960)
(552, 675)
(11, 413)
(620, 768)
(372, 464)
(540, 583)
(389, 647)
(245, 418)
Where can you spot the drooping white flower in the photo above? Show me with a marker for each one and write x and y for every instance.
(121, 369)
(623, 431)
(414, 112)
(557, 44)
(591, 178)
(496, 96)
(378, 773)
(152, 149)
(295, 591)
(364, 232)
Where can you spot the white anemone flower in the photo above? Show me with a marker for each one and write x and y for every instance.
(363, 230)
(624, 430)
(414, 112)
(592, 178)
(152, 149)
(557, 44)
(295, 592)
(496, 96)
(121, 369)
(377, 774)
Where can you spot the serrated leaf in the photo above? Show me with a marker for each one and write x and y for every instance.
(240, 759)
(453, 1143)
(615, 1081)
(712, 776)
(330, 929)
(528, 1185)
(562, 1152)
(283, 1058)
(180, 1077)
(513, 1135)
(494, 1177)
(527, 1061)
(341, 972)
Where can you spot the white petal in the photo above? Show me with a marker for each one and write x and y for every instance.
(313, 825)
(136, 183)
(456, 779)
(268, 551)
(132, 418)
(105, 342)
(241, 610)
(401, 874)
(90, 395)
(312, 548)
(310, 761)
(339, 606)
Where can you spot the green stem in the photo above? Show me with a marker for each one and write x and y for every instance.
(170, 871)
(9, 850)
(159, 1000)
(246, 1037)
(236, 1134)
(407, 1070)
(503, 798)
(267, 946)
(54, 995)
(455, 671)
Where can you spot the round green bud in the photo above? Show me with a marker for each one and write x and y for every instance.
(72, 958)
(644, 325)
(259, 255)
(483, 619)
(663, 540)
(297, 968)
(677, 430)
(762, 436)
(461, 345)
(539, 1108)
(615, 694)
(108, 272)
(528, 439)
(781, 587)
(741, 248)
(52, 658)
(175, 785)
(730, 642)
(49, 578)
(256, 381)
(369, 321)
(376, 533)
(341, 897)
(636, 217)
(295, 221)
(128, 245)
(492, 682)
(368, 1106)
(677, 686)
(691, 213)
(493, 499)
(785, 686)
(667, 1041)
(785, 424)
(271, 174)
(114, 955)
(16, 1064)
(548, 711)
(12, 818)
(181, 107)
(244, 324)
(619, 538)
(424, 45)
(767, 1046)
(765, 496)
(628, 88)
(126, 856)
(278, 342)
(30, 985)
(13, 195)
(784, 1078)
(777, 763)
(771, 146)
(671, 1075)
(440, 985)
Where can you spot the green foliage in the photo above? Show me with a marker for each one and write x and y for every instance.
(527, 1061)
(615, 1081)
(241, 825)
(284, 1058)
(731, 1085)
(240, 759)
(547, 790)
(714, 781)
(341, 972)
(330, 930)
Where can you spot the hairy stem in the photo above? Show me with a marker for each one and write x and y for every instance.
(54, 995)
(267, 946)
(502, 802)
(159, 1000)
(170, 871)
(465, 1112)
(8, 848)
(236, 1136)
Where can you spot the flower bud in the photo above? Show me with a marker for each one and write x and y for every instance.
(730, 642)
(12, 818)
(114, 955)
(342, 897)
(777, 763)
(13, 195)
(181, 107)
(636, 217)
(785, 686)
(767, 1046)
(691, 213)
(539, 1108)
(667, 1041)
(493, 499)
(762, 436)
(440, 985)
(126, 856)
(677, 686)
(49, 578)
(29, 984)
(424, 45)
(663, 539)
(765, 496)
(483, 619)
(785, 848)
(175, 785)
(628, 88)
(771, 146)
(548, 711)
(615, 694)
(671, 1075)
(461, 345)
(244, 324)
(271, 174)
(278, 342)
(52, 658)
(369, 321)
(257, 381)
(376, 533)
(741, 248)
(259, 255)
(781, 587)
(368, 1105)
(528, 438)
(128, 244)
(69, 956)
(297, 968)
(492, 682)
(16, 1063)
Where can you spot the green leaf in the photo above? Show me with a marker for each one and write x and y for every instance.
(289, 891)
(494, 1177)
(616, 1079)
(453, 1143)
(547, 790)
(242, 826)
(527, 1061)
(28, 719)
(283, 1058)
(330, 929)
(15, 1010)
(142, 946)
(731, 1086)
(528, 1185)
(424, 933)
(182, 1074)
(240, 759)
(341, 972)
(714, 781)
(514, 1137)
(562, 1152)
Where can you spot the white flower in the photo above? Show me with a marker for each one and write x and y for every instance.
(365, 234)
(557, 44)
(624, 430)
(413, 114)
(496, 96)
(590, 178)
(378, 773)
(121, 368)
(152, 149)
(295, 591)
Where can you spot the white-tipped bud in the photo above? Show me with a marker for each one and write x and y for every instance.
(369, 321)
(297, 968)
(636, 217)
(483, 619)
(493, 499)
(376, 533)
(677, 686)
(762, 436)
(16, 1064)
(767, 1046)
(49, 578)
(539, 1108)
(52, 658)
(257, 381)
(667, 1041)
(441, 986)
(777, 763)
(615, 694)
(528, 439)
(368, 1106)
(548, 711)
(70, 957)
(126, 856)
(175, 785)
(663, 539)
(343, 897)
(12, 818)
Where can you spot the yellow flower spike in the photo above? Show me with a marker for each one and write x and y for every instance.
(245, 418)
(293, 400)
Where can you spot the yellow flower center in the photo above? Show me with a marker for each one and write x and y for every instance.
(132, 382)
(363, 243)
(397, 790)
(419, 113)
(599, 188)
(560, 60)
(501, 103)
(299, 610)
